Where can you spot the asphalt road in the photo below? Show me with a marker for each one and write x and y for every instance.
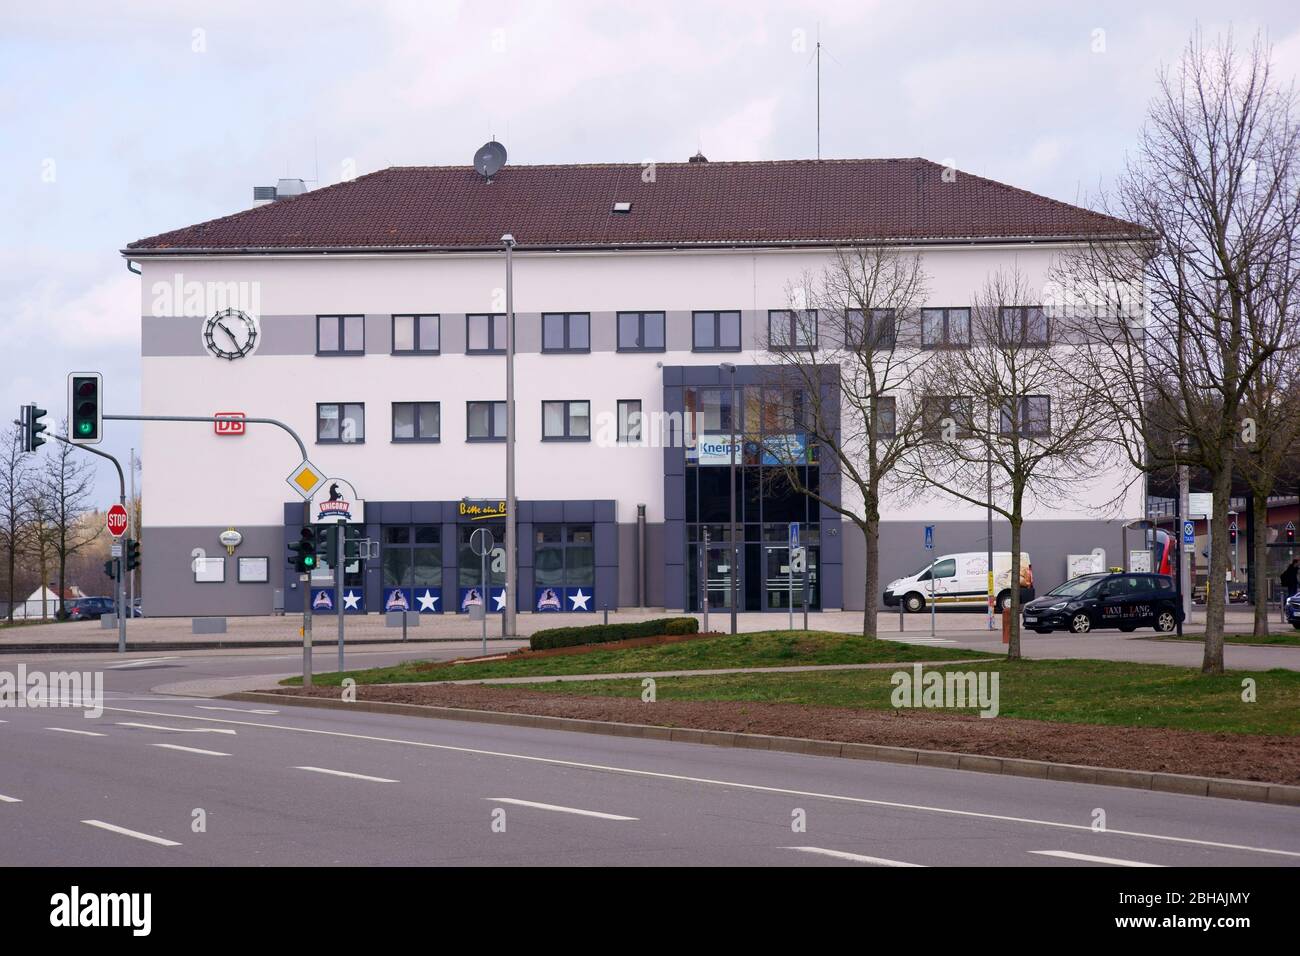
(295, 785)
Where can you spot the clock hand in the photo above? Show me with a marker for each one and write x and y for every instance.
(229, 334)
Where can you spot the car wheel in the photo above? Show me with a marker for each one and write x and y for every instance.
(1165, 621)
(914, 603)
(1004, 601)
(1080, 623)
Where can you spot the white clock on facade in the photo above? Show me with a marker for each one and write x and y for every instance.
(230, 334)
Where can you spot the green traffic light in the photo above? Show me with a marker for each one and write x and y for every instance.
(309, 561)
(85, 428)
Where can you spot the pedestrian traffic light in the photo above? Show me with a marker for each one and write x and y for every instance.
(1232, 534)
(1290, 533)
(85, 409)
(303, 558)
(132, 554)
(32, 426)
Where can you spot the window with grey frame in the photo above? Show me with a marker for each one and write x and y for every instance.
(886, 417)
(945, 328)
(629, 420)
(791, 329)
(340, 423)
(566, 420)
(1023, 325)
(870, 329)
(641, 332)
(566, 332)
(417, 422)
(416, 334)
(1029, 416)
(715, 331)
(485, 334)
(485, 421)
(940, 409)
(340, 335)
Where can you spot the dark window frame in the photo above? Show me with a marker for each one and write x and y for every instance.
(341, 319)
(717, 329)
(793, 326)
(567, 348)
(866, 329)
(627, 439)
(416, 440)
(947, 342)
(641, 325)
(946, 403)
(1020, 335)
(493, 348)
(892, 413)
(1005, 429)
(339, 441)
(568, 419)
(415, 318)
(492, 419)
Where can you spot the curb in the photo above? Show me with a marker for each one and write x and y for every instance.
(137, 646)
(1223, 788)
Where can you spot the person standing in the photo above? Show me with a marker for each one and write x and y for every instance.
(1290, 578)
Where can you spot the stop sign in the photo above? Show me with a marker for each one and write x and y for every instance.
(116, 521)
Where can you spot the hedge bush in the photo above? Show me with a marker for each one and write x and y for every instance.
(604, 633)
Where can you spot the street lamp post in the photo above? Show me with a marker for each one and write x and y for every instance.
(508, 611)
(735, 555)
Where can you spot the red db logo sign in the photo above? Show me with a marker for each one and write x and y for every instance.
(229, 423)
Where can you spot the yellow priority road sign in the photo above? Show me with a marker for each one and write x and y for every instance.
(305, 479)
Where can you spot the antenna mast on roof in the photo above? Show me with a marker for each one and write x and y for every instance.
(818, 54)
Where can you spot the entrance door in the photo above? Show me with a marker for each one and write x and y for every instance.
(718, 574)
(776, 580)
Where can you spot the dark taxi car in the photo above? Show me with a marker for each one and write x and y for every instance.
(1092, 601)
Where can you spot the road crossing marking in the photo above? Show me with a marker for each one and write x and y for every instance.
(1067, 855)
(193, 750)
(558, 809)
(150, 660)
(69, 730)
(180, 730)
(344, 773)
(238, 710)
(113, 828)
(707, 781)
(4, 799)
(854, 857)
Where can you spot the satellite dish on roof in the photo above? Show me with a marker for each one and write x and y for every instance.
(489, 159)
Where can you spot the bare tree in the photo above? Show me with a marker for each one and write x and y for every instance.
(15, 518)
(1214, 187)
(848, 346)
(1010, 421)
(67, 483)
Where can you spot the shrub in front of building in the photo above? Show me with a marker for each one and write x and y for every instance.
(605, 633)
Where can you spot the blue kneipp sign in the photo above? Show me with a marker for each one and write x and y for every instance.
(929, 537)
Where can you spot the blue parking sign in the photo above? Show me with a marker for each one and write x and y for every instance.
(1189, 532)
(929, 537)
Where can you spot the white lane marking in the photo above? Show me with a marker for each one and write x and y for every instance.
(150, 660)
(112, 828)
(757, 788)
(193, 750)
(854, 857)
(69, 730)
(1067, 855)
(181, 730)
(4, 799)
(557, 809)
(344, 773)
(238, 710)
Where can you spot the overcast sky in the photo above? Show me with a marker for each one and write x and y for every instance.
(121, 120)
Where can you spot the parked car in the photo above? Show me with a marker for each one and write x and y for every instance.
(1292, 610)
(1093, 601)
(961, 581)
(87, 608)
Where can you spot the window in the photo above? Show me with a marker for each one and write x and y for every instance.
(412, 558)
(566, 421)
(340, 335)
(564, 556)
(629, 420)
(485, 334)
(1035, 416)
(1022, 325)
(716, 331)
(940, 408)
(792, 329)
(566, 332)
(209, 570)
(871, 329)
(340, 423)
(254, 570)
(640, 331)
(416, 421)
(945, 328)
(486, 421)
(886, 417)
(415, 334)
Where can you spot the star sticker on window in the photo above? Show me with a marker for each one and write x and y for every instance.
(580, 600)
(351, 600)
(427, 600)
(500, 599)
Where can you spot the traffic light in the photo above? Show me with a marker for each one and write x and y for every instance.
(32, 426)
(85, 409)
(110, 568)
(1290, 533)
(132, 554)
(1232, 534)
(303, 558)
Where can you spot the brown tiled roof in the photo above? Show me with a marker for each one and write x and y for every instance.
(685, 204)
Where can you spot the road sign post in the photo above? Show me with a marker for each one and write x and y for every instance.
(481, 543)
(929, 546)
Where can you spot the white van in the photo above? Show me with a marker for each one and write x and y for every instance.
(961, 581)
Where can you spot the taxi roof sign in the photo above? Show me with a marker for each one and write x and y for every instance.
(306, 479)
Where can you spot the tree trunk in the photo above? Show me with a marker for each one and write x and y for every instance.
(1216, 586)
(1259, 510)
(1013, 646)
(871, 600)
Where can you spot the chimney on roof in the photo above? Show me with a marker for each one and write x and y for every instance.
(281, 190)
(699, 157)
